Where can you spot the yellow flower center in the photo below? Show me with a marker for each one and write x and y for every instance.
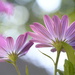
(13, 57)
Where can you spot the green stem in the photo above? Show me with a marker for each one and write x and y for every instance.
(27, 71)
(56, 63)
(47, 56)
(16, 67)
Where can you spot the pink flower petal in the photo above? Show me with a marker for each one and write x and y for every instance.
(3, 59)
(49, 25)
(64, 23)
(10, 44)
(42, 45)
(25, 48)
(21, 41)
(71, 37)
(41, 29)
(3, 52)
(53, 50)
(2, 41)
(70, 30)
(74, 47)
(6, 7)
(57, 27)
(40, 38)
(72, 43)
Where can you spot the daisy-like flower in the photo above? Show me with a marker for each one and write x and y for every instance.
(6, 7)
(53, 33)
(11, 50)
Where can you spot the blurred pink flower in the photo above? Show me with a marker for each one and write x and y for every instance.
(9, 48)
(6, 7)
(56, 30)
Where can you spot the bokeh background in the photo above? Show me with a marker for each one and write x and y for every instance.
(25, 13)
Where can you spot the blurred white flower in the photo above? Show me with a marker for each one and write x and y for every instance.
(49, 5)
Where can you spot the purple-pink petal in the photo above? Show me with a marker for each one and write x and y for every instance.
(2, 41)
(40, 38)
(53, 50)
(25, 48)
(70, 30)
(21, 41)
(3, 59)
(6, 7)
(64, 24)
(3, 53)
(49, 25)
(72, 43)
(57, 26)
(41, 29)
(42, 45)
(72, 37)
(10, 44)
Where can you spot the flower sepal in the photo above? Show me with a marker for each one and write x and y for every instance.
(58, 45)
(13, 58)
(9, 61)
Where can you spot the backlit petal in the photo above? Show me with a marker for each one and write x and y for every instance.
(49, 25)
(10, 44)
(57, 26)
(64, 23)
(21, 41)
(25, 48)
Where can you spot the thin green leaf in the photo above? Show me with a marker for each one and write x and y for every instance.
(68, 68)
(9, 61)
(27, 71)
(70, 52)
(60, 72)
(47, 56)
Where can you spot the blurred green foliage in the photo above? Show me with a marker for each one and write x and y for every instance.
(67, 8)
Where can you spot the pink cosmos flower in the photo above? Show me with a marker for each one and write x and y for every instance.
(6, 7)
(10, 49)
(54, 31)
